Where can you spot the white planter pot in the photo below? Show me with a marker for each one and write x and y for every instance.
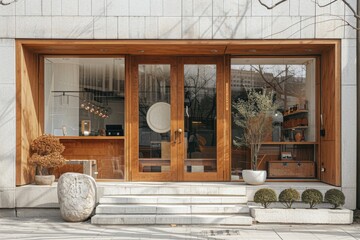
(44, 179)
(302, 216)
(254, 177)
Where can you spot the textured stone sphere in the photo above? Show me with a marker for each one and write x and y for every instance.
(77, 196)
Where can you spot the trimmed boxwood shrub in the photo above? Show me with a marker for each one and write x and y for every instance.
(335, 197)
(288, 196)
(265, 197)
(312, 197)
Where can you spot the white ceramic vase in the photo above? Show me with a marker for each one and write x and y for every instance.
(254, 177)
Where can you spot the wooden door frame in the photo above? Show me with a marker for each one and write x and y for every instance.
(220, 120)
(136, 175)
(177, 172)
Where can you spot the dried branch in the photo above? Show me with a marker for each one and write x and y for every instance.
(272, 6)
(355, 14)
(351, 9)
(325, 5)
(4, 2)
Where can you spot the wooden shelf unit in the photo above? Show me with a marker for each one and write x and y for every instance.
(296, 112)
(91, 137)
(289, 143)
(108, 153)
(298, 127)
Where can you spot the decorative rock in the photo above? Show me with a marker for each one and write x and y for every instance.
(77, 196)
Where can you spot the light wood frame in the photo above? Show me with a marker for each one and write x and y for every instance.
(28, 72)
(220, 121)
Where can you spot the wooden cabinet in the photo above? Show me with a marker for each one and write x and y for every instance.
(291, 169)
(106, 153)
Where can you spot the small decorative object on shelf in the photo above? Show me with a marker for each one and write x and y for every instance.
(298, 137)
(286, 156)
(85, 127)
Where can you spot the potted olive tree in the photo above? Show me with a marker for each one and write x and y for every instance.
(253, 115)
(45, 156)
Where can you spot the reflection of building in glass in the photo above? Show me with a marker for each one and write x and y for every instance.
(247, 79)
(154, 84)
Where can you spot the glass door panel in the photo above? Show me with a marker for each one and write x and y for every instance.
(154, 118)
(200, 118)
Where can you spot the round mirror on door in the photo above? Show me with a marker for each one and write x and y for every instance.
(158, 117)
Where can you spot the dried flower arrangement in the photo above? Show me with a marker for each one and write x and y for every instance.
(46, 154)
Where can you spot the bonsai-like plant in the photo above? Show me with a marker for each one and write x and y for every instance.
(265, 197)
(254, 116)
(312, 197)
(46, 154)
(335, 197)
(288, 196)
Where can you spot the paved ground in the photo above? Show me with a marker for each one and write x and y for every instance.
(55, 228)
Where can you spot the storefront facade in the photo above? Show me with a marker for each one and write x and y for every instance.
(136, 106)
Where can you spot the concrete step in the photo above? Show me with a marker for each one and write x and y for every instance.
(172, 199)
(174, 189)
(230, 219)
(171, 209)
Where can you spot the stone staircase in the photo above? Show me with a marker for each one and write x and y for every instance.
(173, 203)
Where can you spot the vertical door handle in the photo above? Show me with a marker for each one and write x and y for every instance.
(177, 135)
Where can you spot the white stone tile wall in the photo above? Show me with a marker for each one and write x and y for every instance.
(254, 26)
(123, 28)
(70, 8)
(46, 8)
(56, 7)
(140, 8)
(229, 28)
(105, 27)
(85, 8)
(7, 26)
(73, 27)
(98, 7)
(169, 27)
(33, 8)
(294, 8)
(348, 140)
(7, 123)
(33, 27)
(287, 18)
(307, 27)
(172, 8)
(329, 27)
(181, 19)
(285, 27)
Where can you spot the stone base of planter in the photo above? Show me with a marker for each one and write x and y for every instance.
(302, 216)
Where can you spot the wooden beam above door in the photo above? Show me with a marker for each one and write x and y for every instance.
(178, 47)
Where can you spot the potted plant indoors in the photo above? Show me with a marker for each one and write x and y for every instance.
(253, 115)
(46, 155)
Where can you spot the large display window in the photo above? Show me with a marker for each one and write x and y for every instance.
(84, 105)
(290, 148)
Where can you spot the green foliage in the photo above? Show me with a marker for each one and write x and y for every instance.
(265, 197)
(289, 196)
(312, 197)
(335, 197)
